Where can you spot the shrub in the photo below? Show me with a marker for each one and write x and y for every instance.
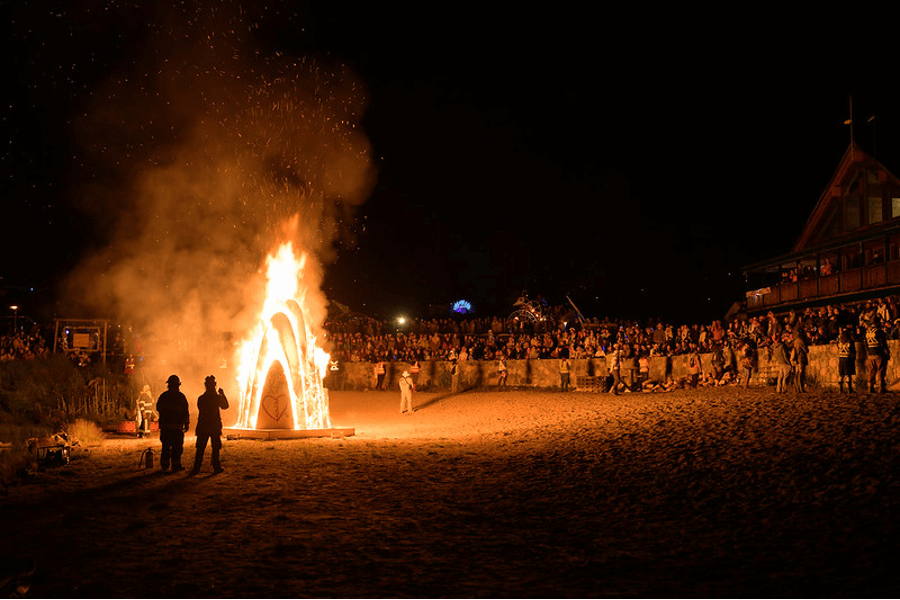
(85, 433)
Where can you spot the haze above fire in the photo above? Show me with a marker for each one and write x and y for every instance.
(207, 154)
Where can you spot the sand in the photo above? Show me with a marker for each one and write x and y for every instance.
(694, 493)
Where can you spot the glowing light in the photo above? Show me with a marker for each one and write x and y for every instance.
(462, 307)
(281, 366)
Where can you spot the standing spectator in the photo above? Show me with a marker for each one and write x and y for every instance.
(379, 374)
(414, 369)
(630, 362)
(613, 365)
(747, 352)
(846, 359)
(564, 374)
(729, 362)
(876, 354)
(883, 311)
(643, 368)
(174, 420)
(692, 362)
(406, 389)
(718, 361)
(799, 360)
(782, 362)
(502, 372)
(333, 381)
(209, 425)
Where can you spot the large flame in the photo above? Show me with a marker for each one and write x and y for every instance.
(281, 366)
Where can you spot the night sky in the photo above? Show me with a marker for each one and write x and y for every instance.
(632, 161)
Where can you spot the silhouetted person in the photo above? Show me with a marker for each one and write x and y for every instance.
(209, 424)
(799, 361)
(876, 355)
(846, 359)
(174, 420)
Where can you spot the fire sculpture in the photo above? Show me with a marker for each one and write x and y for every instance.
(281, 367)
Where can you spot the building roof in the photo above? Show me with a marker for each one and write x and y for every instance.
(833, 218)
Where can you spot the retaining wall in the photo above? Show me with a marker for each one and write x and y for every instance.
(544, 373)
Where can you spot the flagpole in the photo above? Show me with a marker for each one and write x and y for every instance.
(852, 157)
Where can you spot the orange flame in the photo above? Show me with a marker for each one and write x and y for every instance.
(284, 343)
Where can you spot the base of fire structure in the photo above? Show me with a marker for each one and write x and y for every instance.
(286, 434)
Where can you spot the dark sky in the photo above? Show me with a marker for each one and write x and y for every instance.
(632, 161)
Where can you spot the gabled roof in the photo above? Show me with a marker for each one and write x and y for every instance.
(854, 160)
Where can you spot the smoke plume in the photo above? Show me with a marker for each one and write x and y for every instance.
(205, 154)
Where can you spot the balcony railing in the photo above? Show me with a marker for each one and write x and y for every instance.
(871, 277)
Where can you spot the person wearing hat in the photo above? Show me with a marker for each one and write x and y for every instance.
(406, 387)
(174, 420)
(209, 424)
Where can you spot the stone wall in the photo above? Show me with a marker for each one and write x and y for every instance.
(544, 374)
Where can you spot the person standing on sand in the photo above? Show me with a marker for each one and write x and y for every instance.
(781, 361)
(174, 420)
(502, 372)
(692, 364)
(876, 355)
(209, 425)
(406, 388)
(564, 374)
(612, 366)
(747, 361)
(414, 369)
(379, 375)
(846, 346)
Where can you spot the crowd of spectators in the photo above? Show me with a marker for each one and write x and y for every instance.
(559, 335)
(23, 346)
(494, 337)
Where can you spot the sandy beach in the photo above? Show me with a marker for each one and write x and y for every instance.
(717, 492)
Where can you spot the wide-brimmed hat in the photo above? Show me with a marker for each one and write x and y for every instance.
(173, 380)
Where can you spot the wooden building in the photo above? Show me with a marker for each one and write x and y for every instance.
(848, 250)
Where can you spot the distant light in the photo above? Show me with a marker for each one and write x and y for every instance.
(461, 307)
(401, 320)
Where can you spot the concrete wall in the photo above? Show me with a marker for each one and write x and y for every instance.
(544, 374)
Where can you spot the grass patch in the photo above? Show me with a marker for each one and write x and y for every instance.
(84, 432)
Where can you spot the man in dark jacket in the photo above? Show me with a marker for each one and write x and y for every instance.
(174, 420)
(876, 355)
(209, 424)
